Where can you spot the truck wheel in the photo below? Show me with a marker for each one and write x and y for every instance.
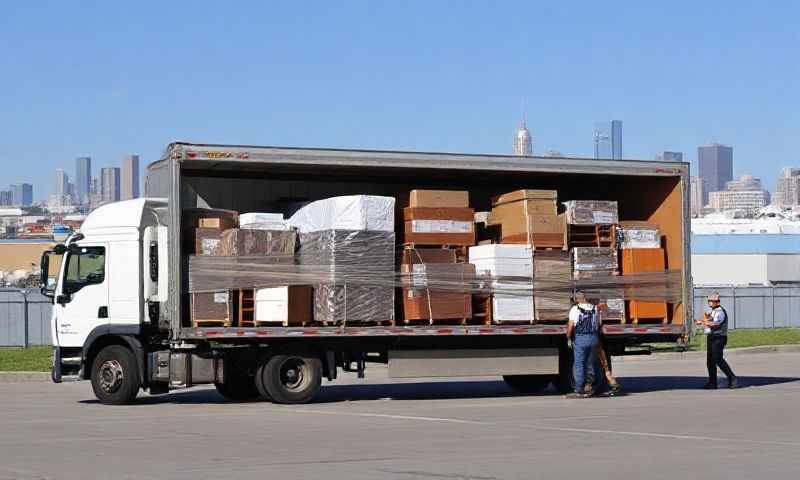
(238, 389)
(115, 378)
(528, 383)
(290, 379)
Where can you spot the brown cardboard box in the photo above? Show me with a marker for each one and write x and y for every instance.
(518, 195)
(191, 217)
(204, 241)
(246, 242)
(220, 223)
(520, 210)
(431, 304)
(534, 225)
(439, 198)
(439, 226)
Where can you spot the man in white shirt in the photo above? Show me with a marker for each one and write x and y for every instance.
(584, 329)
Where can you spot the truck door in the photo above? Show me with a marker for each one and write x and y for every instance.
(81, 301)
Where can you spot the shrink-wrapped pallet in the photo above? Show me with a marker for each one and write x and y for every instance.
(354, 212)
(510, 270)
(591, 212)
(552, 284)
(364, 260)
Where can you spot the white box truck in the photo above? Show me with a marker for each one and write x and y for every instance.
(121, 295)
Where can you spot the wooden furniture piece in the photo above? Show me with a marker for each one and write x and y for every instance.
(640, 260)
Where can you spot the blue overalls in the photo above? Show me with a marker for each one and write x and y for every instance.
(586, 342)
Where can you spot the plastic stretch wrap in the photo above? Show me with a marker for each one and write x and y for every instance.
(591, 212)
(246, 242)
(355, 212)
(339, 302)
(594, 258)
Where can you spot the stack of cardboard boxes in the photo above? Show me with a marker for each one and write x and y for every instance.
(642, 253)
(437, 225)
(529, 217)
(509, 271)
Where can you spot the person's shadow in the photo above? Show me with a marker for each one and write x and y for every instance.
(465, 389)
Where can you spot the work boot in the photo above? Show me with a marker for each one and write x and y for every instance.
(575, 395)
(733, 382)
(710, 386)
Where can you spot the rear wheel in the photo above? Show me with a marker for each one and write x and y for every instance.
(291, 379)
(115, 378)
(528, 383)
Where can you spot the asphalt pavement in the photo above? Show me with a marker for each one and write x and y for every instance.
(665, 427)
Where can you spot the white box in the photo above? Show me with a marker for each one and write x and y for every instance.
(512, 308)
(259, 217)
(272, 304)
(503, 267)
(499, 250)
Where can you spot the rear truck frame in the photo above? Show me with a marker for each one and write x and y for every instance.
(120, 294)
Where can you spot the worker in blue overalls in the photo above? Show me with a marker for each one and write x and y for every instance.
(583, 330)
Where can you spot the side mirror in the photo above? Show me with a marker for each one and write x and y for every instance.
(63, 299)
(44, 274)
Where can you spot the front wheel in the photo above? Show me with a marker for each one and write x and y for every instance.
(290, 379)
(115, 378)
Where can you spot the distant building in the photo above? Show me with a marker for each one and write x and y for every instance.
(109, 184)
(6, 198)
(83, 180)
(130, 177)
(787, 193)
(716, 167)
(696, 196)
(22, 194)
(607, 139)
(60, 183)
(671, 156)
(523, 142)
(553, 153)
(747, 200)
(745, 182)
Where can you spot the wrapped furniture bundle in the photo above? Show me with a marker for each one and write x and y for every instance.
(353, 236)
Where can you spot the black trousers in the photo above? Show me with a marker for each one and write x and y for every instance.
(714, 349)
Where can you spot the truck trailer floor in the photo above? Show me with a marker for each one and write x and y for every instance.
(665, 427)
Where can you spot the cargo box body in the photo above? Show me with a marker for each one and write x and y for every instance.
(281, 180)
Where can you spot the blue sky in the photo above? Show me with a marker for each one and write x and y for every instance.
(92, 78)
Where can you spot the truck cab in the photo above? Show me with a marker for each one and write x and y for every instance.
(106, 296)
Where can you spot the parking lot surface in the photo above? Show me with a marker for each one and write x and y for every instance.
(664, 427)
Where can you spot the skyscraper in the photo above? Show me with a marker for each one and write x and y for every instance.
(130, 177)
(715, 162)
(22, 194)
(109, 184)
(83, 179)
(60, 183)
(523, 143)
(787, 193)
(672, 156)
(696, 196)
(607, 139)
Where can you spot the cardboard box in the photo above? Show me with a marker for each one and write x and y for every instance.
(518, 195)
(439, 198)
(439, 226)
(539, 230)
(192, 217)
(245, 242)
(289, 305)
(519, 211)
(203, 241)
(220, 223)
(431, 304)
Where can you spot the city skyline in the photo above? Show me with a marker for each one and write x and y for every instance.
(444, 88)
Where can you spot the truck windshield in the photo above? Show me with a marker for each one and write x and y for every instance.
(85, 266)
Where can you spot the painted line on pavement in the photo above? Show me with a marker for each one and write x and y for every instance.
(669, 435)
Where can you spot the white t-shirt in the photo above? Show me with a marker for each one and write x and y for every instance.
(574, 313)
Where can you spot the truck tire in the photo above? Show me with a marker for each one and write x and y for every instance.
(290, 378)
(115, 378)
(528, 383)
(238, 389)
